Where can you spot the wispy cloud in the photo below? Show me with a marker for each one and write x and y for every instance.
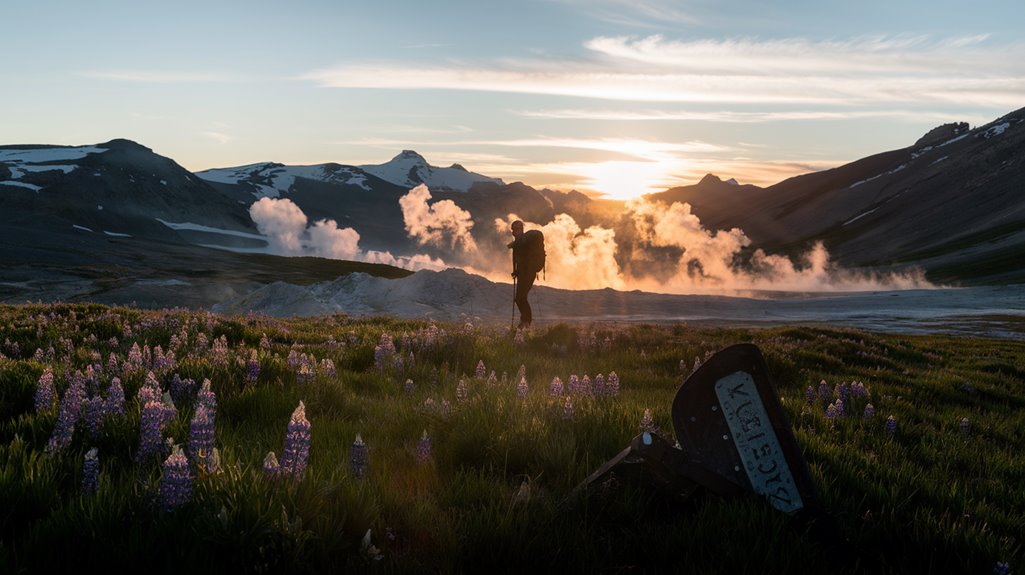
(633, 13)
(726, 116)
(897, 70)
(219, 137)
(156, 76)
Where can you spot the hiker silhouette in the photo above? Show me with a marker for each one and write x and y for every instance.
(528, 255)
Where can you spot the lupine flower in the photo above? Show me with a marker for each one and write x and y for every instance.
(252, 368)
(206, 397)
(870, 411)
(809, 395)
(859, 390)
(965, 425)
(461, 391)
(150, 390)
(297, 444)
(201, 437)
(832, 412)
(842, 391)
(1002, 568)
(67, 417)
(598, 387)
(151, 429)
(891, 425)
(270, 464)
(423, 448)
(384, 351)
(647, 423)
(115, 398)
(521, 372)
(358, 457)
(521, 388)
(134, 361)
(574, 384)
(612, 385)
(93, 412)
(182, 389)
(44, 391)
(585, 385)
(90, 473)
(409, 387)
(492, 380)
(307, 369)
(683, 365)
(697, 364)
(176, 482)
(265, 343)
(840, 408)
(481, 372)
(219, 352)
(555, 389)
(567, 408)
(327, 367)
(825, 396)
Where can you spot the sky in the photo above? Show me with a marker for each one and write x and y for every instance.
(611, 97)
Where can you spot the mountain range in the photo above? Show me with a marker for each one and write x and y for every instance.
(117, 223)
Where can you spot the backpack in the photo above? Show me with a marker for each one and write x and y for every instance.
(534, 254)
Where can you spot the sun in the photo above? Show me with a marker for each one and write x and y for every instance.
(625, 179)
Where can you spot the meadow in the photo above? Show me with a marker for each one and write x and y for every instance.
(184, 441)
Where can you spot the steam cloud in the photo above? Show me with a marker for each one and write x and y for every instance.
(665, 249)
(285, 226)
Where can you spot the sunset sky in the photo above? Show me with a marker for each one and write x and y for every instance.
(620, 97)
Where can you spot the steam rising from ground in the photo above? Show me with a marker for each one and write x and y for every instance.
(285, 226)
(662, 249)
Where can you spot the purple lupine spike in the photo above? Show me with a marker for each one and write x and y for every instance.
(492, 379)
(555, 389)
(891, 425)
(809, 395)
(327, 367)
(151, 429)
(832, 412)
(176, 481)
(522, 388)
(44, 391)
(91, 473)
(68, 415)
(647, 422)
(115, 398)
(112, 363)
(93, 411)
(423, 449)
(567, 408)
(461, 391)
(574, 384)
(359, 457)
(206, 397)
(201, 437)
(598, 386)
(840, 408)
(297, 444)
(825, 395)
(870, 411)
(585, 385)
(270, 464)
(612, 385)
(481, 371)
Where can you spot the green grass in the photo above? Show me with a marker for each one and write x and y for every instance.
(498, 492)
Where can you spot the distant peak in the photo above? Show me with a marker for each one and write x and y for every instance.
(407, 155)
(123, 144)
(710, 179)
(458, 167)
(732, 182)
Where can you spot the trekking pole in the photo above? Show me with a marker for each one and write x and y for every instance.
(512, 314)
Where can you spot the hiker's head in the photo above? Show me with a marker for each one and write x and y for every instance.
(517, 229)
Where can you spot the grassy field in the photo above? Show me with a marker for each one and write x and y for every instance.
(461, 470)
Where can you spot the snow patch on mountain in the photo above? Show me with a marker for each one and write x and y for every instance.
(996, 130)
(272, 180)
(21, 162)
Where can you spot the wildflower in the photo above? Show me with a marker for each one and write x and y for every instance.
(93, 411)
(574, 384)
(859, 390)
(182, 389)
(585, 385)
(252, 368)
(384, 351)
(44, 391)
(567, 408)
(1002, 568)
(111, 362)
(461, 392)
(647, 423)
(90, 473)
(683, 365)
(307, 369)
(832, 412)
(555, 389)
(521, 388)
(270, 464)
(201, 436)
(409, 386)
(492, 380)
(151, 428)
(697, 364)
(327, 367)
(599, 385)
(612, 385)
(521, 373)
(840, 407)
(870, 411)
(965, 425)
(134, 361)
(423, 448)
(481, 370)
(150, 390)
(219, 352)
(824, 393)
(115, 404)
(891, 425)
(68, 415)
(176, 482)
(297, 444)
(842, 391)
(358, 457)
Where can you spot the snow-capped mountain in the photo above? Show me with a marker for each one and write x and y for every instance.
(406, 170)
(409, 169)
